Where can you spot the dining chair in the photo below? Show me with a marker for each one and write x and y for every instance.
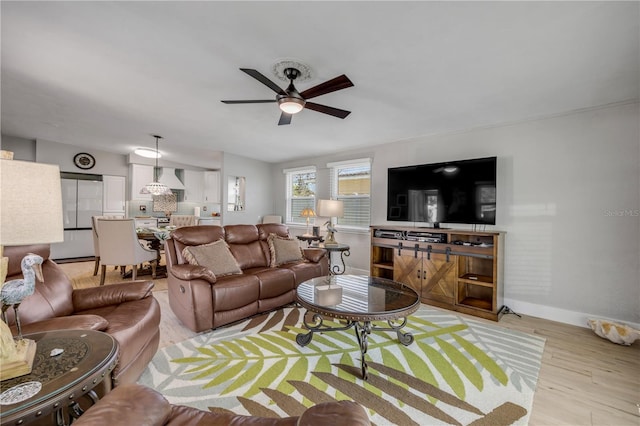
(180, 220)
(96, 246)
(119, 245)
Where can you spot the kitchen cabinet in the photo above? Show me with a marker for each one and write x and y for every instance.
(212, 187)
(113, 194)
(140, 175)
(194, 183)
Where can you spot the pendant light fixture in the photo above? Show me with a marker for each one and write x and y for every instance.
(155, 187)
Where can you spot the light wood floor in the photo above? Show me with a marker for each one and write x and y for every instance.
(584, 380)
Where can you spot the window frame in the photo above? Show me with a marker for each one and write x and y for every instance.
(290, 175)
(334, 170)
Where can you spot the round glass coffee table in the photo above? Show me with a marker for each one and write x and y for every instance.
(359, 300)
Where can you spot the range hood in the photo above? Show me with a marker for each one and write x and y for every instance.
(169, 178)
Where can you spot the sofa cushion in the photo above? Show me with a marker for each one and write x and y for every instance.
(215, 256)
(283, 250)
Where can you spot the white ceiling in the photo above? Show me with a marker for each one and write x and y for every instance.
(106, 75)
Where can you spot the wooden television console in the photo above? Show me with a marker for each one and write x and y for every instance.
(452, 269)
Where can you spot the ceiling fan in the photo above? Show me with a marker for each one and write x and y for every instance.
(291, 101)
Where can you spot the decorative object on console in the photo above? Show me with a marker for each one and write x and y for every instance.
(307, 213)
(155, 187)
(330, 209)
(35, 187)
(618, 333)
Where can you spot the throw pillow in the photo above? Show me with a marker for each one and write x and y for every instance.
(215, 256)
(283, 250)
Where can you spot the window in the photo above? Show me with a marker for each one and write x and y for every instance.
(351, 183)
(301, 192)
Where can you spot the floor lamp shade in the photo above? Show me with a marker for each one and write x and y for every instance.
(30, 203)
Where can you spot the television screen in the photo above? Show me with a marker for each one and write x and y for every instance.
(452, 192)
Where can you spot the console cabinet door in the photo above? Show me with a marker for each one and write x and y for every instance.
(432, 277)
(407, 269)
(439, 278)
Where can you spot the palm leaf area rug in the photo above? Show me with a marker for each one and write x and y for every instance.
(457, 370)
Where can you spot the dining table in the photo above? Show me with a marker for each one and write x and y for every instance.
(156, 238)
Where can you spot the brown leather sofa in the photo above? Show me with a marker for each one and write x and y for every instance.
(138, 405)
(126, 311)
(203, 302)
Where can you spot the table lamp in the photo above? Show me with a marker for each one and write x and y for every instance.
(30, 213)
(330, 209)
(307, 213)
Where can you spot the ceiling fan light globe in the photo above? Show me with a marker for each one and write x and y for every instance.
(291, 105)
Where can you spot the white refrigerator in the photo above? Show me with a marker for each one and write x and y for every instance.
(81, 199)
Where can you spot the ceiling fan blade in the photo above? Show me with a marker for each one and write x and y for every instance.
(338, 83)
(336, 112)
(264, 80)
(285, 119)
(255, 101)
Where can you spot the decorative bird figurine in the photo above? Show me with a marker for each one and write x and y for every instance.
(14, 292)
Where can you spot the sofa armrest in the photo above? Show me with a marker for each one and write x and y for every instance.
(82, 322)
(192, 272)
(133, 403)
(113, 294)
(340, 413)
(314, 255)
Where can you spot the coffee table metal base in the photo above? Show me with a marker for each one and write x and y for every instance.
(362, 329)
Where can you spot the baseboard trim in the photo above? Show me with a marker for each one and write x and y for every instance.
(556, 314)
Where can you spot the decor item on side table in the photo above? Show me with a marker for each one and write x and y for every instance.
(35, 188)
(330, 209)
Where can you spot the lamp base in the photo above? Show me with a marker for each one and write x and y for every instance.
(21, 362)
(330, 240)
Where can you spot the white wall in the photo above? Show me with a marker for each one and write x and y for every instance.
(568, 199)
(258, 191)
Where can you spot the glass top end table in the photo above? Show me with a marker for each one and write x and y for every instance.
(359, 300)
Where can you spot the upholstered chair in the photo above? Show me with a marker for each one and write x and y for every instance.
(180, 220)
(96, 246)
(119, 245)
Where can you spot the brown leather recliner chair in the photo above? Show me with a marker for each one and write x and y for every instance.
(139, 405)
(126, 311)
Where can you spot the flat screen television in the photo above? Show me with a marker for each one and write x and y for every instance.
(452, 192)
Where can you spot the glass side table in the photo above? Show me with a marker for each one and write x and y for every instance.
(59, 381)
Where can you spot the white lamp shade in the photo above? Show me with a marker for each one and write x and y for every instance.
(30, 203)
(330, 208)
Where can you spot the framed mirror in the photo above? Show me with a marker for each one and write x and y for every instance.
(236, 191)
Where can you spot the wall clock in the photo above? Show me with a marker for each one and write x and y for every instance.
(84, 161)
